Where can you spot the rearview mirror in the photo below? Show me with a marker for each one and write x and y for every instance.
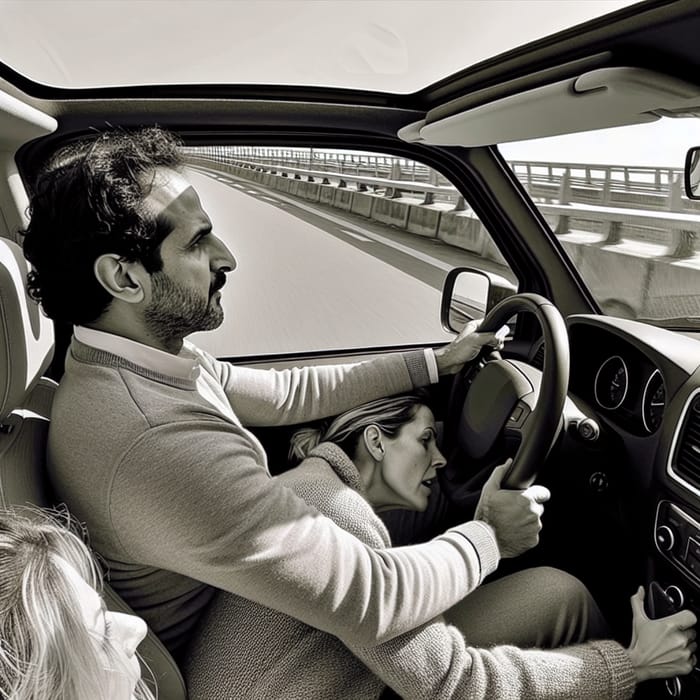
(692, 173)
(468, 294)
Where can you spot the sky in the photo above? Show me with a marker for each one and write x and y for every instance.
(395, 45)
(662, 143)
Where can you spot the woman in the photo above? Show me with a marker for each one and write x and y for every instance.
(58, 640)
(384, 455)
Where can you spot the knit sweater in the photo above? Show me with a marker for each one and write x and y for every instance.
(177, 496)
(246, 651)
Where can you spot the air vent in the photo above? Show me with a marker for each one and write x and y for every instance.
(685, 463)
(538, 357)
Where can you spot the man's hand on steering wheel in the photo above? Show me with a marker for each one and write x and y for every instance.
(467, 346)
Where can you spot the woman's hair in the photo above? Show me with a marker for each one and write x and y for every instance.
(388, 414)
(88, 200)
(46, 650)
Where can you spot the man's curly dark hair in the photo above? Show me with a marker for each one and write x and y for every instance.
(88, 200)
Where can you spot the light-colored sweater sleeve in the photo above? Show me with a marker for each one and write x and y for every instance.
(218, 517)
(297, 395)
(434, 663)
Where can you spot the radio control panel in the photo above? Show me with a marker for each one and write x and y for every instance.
(677, 538)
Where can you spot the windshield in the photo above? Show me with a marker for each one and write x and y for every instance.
(615, 200)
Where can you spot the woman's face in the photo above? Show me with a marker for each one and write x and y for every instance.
(116, 634)
(410, 463)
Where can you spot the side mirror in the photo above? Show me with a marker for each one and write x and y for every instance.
(692, 173)
(468, 294)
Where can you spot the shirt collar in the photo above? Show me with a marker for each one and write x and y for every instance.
(184, 365)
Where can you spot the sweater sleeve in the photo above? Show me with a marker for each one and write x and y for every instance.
(207, 509)
(434, 663)
(285, 397)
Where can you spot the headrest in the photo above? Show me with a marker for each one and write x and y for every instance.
(26, 335)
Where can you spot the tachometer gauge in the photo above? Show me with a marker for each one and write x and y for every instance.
(611, 382)
(653, 402)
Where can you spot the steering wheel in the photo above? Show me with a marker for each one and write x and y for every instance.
(509, 398)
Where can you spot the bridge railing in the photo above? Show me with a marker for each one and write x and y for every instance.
(616, 202)
(633, 243)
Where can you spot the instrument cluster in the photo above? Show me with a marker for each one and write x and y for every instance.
(632, 389)
(621, 378)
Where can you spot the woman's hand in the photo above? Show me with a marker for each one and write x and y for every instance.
(661, 648)
(466, 346)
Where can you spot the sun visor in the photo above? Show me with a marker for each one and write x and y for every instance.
(597, 99)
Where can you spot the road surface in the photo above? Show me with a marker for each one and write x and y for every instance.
(309, 279)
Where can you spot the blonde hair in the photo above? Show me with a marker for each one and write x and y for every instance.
(388, 414)
(46, 650)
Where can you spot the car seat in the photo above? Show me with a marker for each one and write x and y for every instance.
(26, 349)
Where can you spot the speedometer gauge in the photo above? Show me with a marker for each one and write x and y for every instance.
(611, 382)
(653, 401)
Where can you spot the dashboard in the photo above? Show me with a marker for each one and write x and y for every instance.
(641, 384)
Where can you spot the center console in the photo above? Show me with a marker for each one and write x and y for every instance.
(677, 539)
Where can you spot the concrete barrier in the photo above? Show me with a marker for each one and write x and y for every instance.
(282, 184)
(424, 219)
(327, 194)
(363, 204)
(393, 212)
(342, 198)
(463, 230)
(601, 265)
(309, 191)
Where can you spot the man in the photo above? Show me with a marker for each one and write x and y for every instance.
(149, 442)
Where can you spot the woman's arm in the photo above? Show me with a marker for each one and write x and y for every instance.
(434, 663)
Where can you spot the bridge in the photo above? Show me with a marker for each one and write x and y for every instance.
(598, 213)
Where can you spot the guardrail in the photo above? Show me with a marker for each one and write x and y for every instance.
(675, 232)
(656, 279)
(393, 188)
(550, 182)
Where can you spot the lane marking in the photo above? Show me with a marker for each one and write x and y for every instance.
(359, 237)
(344, 225)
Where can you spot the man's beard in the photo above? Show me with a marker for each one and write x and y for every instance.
(176, 310)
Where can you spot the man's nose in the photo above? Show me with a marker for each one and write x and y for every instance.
(222, 258)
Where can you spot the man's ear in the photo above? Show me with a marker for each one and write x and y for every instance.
(124, 280)
(372, 437)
